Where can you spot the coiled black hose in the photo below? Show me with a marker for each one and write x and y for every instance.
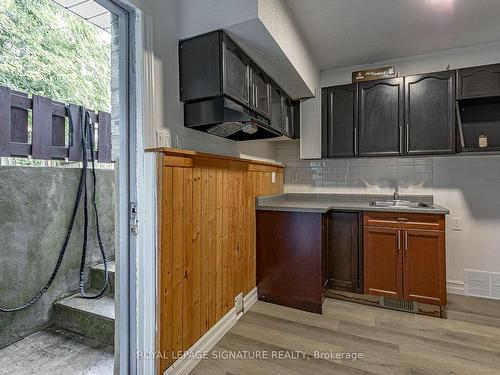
(87, 132)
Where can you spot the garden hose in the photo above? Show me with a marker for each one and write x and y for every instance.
(87, 133)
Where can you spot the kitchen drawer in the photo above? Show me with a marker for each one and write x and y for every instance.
(404, 220)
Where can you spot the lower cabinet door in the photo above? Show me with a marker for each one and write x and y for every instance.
(343, 248)
(383, 262)
(424, 266)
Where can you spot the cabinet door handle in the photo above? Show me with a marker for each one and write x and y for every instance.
(401, 219)
(399, 240)
(406, 242)
(407, 138)
(355, 141)
(401, 139)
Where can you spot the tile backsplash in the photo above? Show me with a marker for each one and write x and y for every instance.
(364, 174)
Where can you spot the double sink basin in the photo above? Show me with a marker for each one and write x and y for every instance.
(399, 203)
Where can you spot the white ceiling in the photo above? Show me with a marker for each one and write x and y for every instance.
(352, 32)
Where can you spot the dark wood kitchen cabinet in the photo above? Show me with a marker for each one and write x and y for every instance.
(381, 117)
(276, 107)
(212, 65)
(290, 250)
(344, 251)
(340, 121)
(290, 118)
(430, 113)
(260, 90)
(424, 266)
(235, 71)
(382, 262)
(285, 113)
(478, 82)
(404, 256)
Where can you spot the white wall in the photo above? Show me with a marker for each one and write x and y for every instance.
(277, 18)
(481, 54)
(467, 185)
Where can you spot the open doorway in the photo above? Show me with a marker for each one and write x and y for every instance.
(64, 63)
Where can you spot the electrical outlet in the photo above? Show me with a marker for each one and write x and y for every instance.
(238, 303)
(457, 223)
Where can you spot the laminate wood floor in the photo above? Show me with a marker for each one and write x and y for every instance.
(392, 342)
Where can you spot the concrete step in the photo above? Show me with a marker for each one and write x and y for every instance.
(94, 318)
(97, 277)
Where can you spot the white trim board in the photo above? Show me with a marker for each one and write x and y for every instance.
(455, 287)
(185, 365)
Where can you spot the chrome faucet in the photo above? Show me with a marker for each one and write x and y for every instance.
(395, 196)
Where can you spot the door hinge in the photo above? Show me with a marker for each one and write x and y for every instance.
(133, 221)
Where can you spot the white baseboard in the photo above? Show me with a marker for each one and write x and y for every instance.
(186, 364)
(250, 299)
(455, 287)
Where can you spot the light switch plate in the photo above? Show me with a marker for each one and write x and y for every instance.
(457, 224)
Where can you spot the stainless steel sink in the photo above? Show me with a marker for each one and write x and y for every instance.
(399, 203)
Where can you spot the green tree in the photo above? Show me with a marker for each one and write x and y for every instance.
(48, 51)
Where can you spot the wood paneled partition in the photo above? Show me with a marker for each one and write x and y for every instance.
(206, 253)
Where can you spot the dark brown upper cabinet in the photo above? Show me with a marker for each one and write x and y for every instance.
(289, 117)
(260, 91)
(479, 81)
(276, 107)
(213, 65)
(381, 117)
(200, 60)
(430, 113)
(236, 71)
(340, 123)
(285, 113)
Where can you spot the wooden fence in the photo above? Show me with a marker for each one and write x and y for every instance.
(49, 133)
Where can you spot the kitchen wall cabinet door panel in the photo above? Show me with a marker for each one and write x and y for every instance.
(260, 91)
(288, 117)
(479, 81)
(236, 70)
(381, 116)
(430, 113)
(424, 266)
(341, 121)
(382, 262)
(343, 251)
(276, 107)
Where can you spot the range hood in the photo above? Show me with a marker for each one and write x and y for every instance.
(225, 118)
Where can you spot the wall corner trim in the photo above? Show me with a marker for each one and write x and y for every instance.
(186, 364)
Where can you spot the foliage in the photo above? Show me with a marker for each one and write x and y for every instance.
(48, 51)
